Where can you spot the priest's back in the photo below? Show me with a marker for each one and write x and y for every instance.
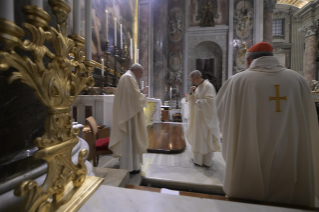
(270, 134)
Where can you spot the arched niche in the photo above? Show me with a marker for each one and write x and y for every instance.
(208, 50)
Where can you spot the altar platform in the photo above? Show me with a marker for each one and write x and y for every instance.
(108, 198)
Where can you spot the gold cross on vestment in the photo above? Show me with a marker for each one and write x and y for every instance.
(277, 98)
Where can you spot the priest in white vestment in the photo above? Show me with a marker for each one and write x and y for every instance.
(203, 128)
(129, 139)
(270, 133)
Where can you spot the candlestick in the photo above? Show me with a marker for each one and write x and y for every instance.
(142, 85)
(121, 37)
(102, 72)
(38, 3)
(170, 93)
(88, 29)
(107, 25)
(6, 10)
(76, 17)
(115, 33)
(131, 50)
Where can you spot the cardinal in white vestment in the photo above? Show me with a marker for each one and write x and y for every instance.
(203, 129)
(270, 133)
(129, 139)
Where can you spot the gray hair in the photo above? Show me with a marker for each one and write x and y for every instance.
(255, 55)
(136, 66)
(195, 74)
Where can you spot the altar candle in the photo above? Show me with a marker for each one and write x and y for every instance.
(107, 25)
(135, 54)
(115, 33)
(38, 3)
(121, 37)
(131, 49)
(102, 72)
(170, 92)
(6, 10)
(142, 85)
(76, 17)
(88, 29)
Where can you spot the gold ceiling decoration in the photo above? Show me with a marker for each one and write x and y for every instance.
(296, 3)
(56, 84)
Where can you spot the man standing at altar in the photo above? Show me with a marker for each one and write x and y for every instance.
(203, 129)
(270, 133)
(129, 138)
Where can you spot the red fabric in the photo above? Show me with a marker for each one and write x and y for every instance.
(261, 47)
(102, 144)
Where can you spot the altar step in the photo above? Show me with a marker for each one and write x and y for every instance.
(195, 179)
(113, 177)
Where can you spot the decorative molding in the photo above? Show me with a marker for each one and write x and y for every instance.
(269, 5)
(309, 29)
(296, 3)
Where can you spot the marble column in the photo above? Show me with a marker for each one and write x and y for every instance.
(144, 36)
(310, 56)
(269, 6)
(160, 49)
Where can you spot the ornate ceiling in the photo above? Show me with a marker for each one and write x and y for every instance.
(296, 3)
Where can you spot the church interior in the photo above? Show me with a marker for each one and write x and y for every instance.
(59, 77)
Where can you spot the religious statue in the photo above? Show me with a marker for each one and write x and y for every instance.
(315, 85)
(207, 16)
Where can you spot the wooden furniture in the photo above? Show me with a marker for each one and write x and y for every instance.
(177, 117)
(166, 138)
(99, 141)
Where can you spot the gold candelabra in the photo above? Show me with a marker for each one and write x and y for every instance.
(56, 86)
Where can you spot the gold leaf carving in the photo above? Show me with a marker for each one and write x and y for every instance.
(56, 84)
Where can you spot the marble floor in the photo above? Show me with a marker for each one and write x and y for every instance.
(175, 171)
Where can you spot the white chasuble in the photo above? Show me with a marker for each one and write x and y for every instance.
(129, 139)
(203, 129)
(270, 135)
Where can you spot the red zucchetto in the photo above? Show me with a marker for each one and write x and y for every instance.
(261, 47)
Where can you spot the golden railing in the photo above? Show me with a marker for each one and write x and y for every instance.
(56, 84)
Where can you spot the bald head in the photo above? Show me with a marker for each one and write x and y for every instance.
(137, 69)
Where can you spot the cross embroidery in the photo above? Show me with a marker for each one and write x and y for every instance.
(277, 98)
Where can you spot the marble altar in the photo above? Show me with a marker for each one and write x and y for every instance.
(101, 108)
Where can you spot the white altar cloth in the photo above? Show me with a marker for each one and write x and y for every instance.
(102, 108)
(108, 198)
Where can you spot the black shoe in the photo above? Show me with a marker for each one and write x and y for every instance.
(135, 171)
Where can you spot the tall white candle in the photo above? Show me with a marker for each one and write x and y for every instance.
(38, 3)
(102, 71)
(121, 37)
(131, 50)
(106, 25)
(142, 85)
(76, 17)
(135, 61)
(88, 29)
(6, 10)
(115, 33)
(170, 92)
